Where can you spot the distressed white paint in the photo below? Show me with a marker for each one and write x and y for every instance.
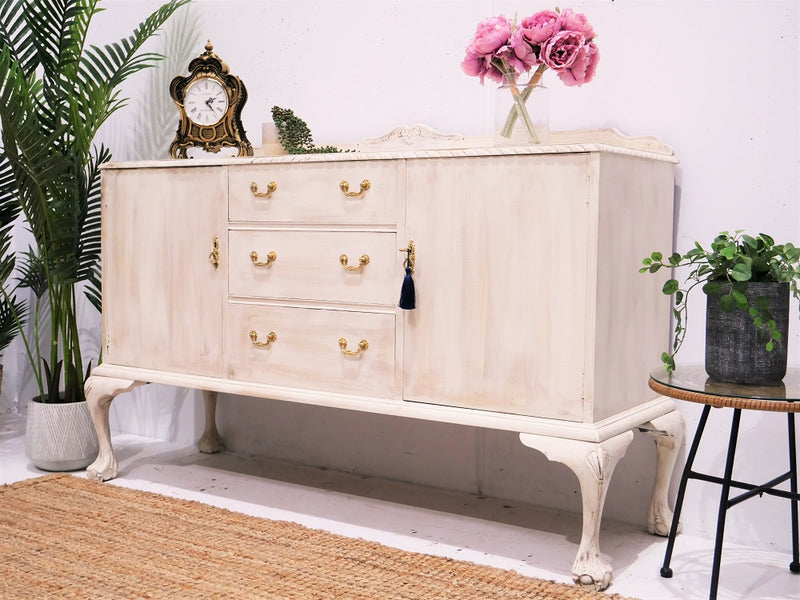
(516, 262)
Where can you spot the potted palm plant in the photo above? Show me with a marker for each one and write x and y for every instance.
(55, 93)
(747, 281)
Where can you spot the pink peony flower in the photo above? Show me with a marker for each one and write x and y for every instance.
(560, 52)
(491, 34)
(492, 54)
(524, 52)
(583, 66)
(572, 21)
(540, 27)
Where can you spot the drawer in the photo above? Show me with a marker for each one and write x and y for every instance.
(306, 352)
(308, 265)
(312, 193)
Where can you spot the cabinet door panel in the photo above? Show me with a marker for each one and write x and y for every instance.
(501, 280)
(162, 296)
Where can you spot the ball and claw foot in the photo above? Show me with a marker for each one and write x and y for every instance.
(102, 469)
(590, 582)
(592, 571)
(666, 572)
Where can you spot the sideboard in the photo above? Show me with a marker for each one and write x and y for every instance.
(279, 278)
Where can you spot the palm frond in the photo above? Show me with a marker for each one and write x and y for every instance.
(14, 34)
(181, 40)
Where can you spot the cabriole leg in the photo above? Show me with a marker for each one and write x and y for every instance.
(593, 463)
(211, 441)
(100, 392)
(667, 432)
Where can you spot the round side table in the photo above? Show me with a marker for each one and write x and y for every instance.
(693, 385)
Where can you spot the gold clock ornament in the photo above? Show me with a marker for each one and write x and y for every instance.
(210, 101)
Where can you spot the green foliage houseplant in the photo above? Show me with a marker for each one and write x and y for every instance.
(55, 93)
(728, 272)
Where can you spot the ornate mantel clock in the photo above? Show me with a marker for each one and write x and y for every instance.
(210, 101)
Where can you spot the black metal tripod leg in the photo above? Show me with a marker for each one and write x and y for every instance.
(723, 503)
(687, 469)
(794, 566)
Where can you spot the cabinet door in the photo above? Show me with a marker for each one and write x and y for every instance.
(162, 296)
(501, 281)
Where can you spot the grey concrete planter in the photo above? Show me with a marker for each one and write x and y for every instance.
(60, 437)
(733, 353)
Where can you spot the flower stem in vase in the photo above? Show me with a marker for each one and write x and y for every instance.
(520, 98)
(519, 110)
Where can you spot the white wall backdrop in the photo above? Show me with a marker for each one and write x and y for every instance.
(717, 80)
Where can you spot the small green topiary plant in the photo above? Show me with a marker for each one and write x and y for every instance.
(294, 135)
(735, 259)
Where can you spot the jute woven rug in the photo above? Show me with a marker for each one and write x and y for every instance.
(63, 536)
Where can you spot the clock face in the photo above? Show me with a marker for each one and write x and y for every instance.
(206, 101)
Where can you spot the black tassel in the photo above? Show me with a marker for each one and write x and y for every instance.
(408, 299)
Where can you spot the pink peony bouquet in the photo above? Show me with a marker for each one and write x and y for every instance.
(503, 50)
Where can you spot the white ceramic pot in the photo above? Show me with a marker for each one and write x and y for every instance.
(60, 437)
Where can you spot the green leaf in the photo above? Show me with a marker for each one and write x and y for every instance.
(726, 303)
(657, 256)
(675, 259)
(750, 241)
(740, 299)
(741, 272)
(712, 288)
(670, 287)
(770, 346)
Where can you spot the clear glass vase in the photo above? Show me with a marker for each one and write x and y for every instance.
(522, 114)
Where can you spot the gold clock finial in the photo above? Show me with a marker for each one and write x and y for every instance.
(209, 47)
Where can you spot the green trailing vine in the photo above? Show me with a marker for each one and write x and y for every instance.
(733, 259)
(294, 135)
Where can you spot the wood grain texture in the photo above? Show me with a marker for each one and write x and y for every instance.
(306, 353)
(529, 300)
(308, 266)
(310, 193)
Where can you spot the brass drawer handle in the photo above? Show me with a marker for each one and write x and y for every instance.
(345, 187)
(271, 257)
(362, 345)
(213, 258)
(271, 187)
(271, 337)
(362, 262)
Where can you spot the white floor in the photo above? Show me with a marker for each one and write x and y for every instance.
(534, 541)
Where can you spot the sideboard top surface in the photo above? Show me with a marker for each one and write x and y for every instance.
(578, 142)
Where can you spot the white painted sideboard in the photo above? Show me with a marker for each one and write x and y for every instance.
(279, 278)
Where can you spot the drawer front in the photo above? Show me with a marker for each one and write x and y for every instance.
(306, 352)
(308, 265)
(312, 193)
